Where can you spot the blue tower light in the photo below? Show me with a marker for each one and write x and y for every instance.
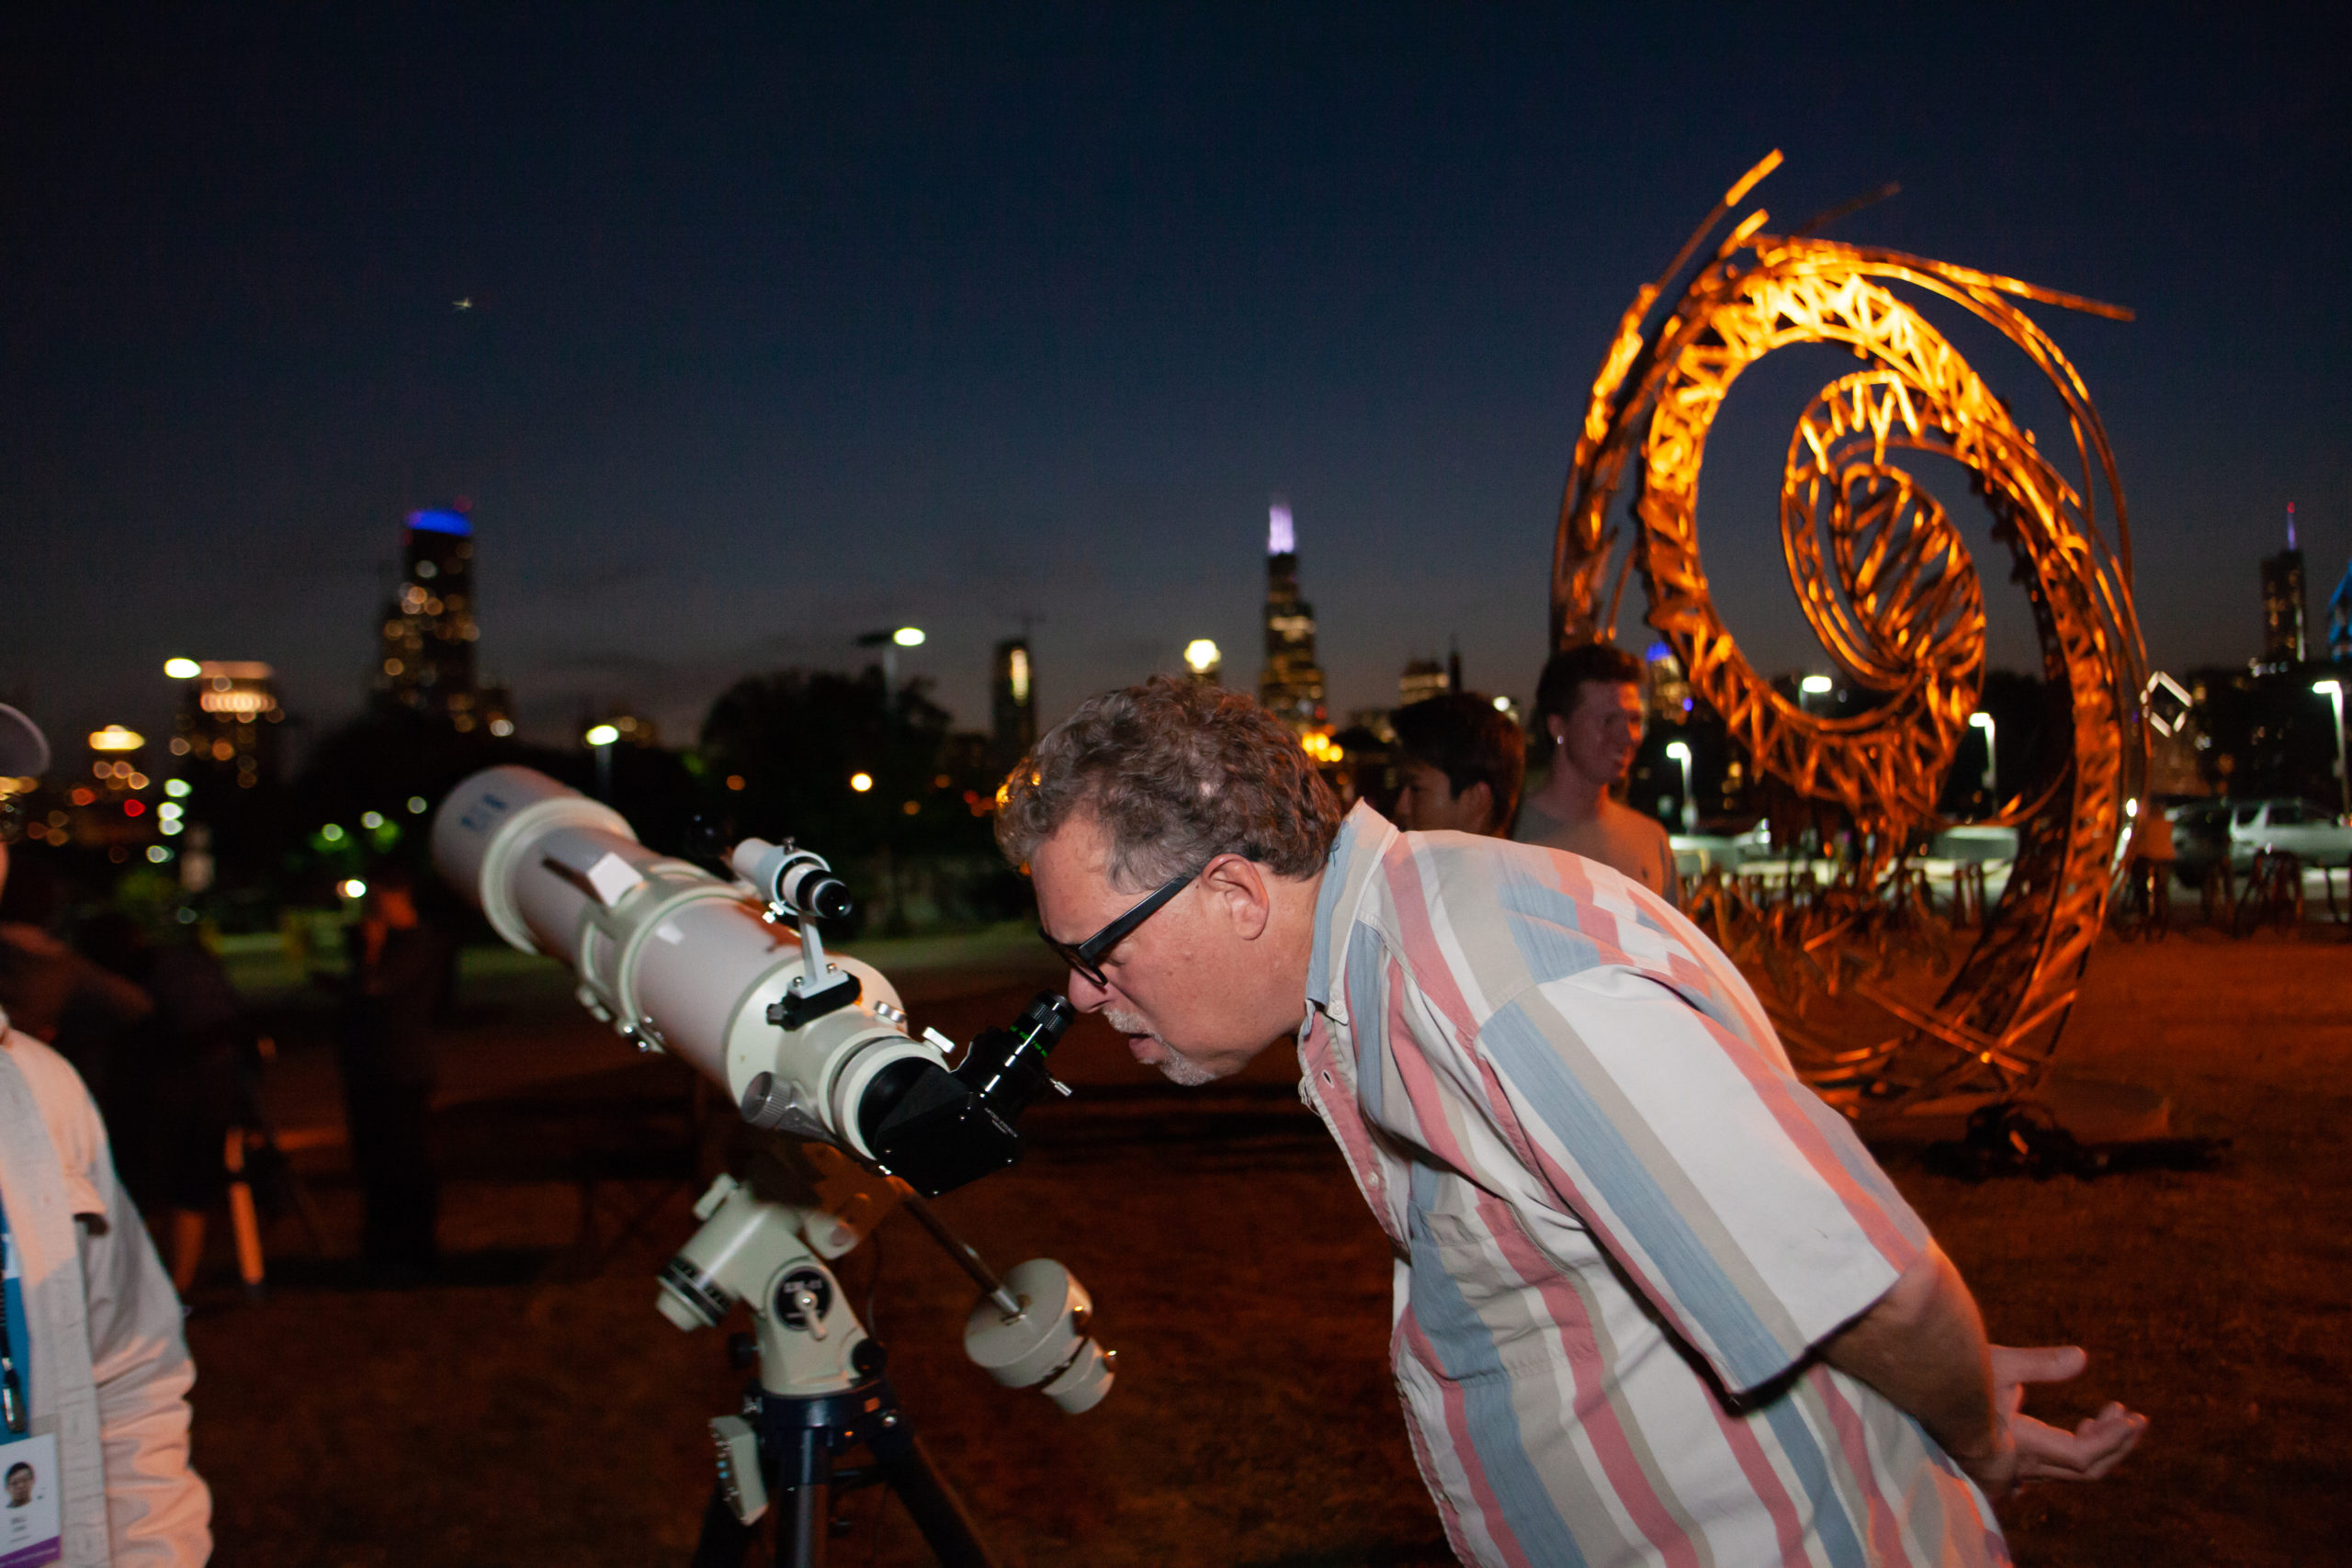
(436, 521)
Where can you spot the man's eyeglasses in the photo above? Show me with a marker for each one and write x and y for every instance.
(1086, 958)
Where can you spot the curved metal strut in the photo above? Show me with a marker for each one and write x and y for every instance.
(1888, 583)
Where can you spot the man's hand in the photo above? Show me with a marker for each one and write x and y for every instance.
(2025, 1450)
(1922, 1345)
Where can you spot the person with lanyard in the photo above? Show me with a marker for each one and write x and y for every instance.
(94, 1413)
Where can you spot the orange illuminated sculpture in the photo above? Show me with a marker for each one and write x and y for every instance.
(1884, 1000)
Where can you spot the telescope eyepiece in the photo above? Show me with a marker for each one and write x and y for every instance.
(825, 896)
(1045, 1020)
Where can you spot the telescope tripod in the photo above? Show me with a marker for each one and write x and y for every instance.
(797, 1441)
(819, 1392)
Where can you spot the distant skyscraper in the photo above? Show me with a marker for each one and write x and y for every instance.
(1666, 691)
(2284, 613)
(226, 732)
(1423, 679)
(1291, 686)
(429, 628)
(1012, 704)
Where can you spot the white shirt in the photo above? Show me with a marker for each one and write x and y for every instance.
(109, 1366)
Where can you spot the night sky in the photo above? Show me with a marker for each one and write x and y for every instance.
(792, 325)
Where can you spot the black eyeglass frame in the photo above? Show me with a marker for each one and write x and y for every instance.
(1087, 957)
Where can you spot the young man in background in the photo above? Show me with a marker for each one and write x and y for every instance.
(1588, 710)
(1462, 764)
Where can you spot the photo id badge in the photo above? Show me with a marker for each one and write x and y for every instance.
(29, 1529)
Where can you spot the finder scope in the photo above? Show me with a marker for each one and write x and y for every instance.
(791, 878)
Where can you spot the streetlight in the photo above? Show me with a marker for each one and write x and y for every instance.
(182, 668)
(1204, 660)
(1984, 721)
(1681, 752)
(1813, 686)
(602, 739)
(2335, 692)
(890, 641)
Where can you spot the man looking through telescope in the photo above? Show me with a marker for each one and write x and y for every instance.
(1655, 1301)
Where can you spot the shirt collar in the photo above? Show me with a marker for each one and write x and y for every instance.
(1356, 853)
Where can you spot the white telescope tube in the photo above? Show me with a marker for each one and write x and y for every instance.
(674, 958)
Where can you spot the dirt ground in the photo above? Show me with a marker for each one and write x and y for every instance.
(531, 1407)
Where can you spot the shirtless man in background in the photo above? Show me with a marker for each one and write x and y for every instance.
(1588, 713)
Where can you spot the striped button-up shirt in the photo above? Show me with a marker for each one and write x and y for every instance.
(1620, 1223)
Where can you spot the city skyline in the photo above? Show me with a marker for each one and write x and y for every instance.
(774, 332)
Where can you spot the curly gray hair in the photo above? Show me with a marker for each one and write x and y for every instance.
(1178, 773)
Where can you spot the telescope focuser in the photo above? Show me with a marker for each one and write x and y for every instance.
(938, 1130)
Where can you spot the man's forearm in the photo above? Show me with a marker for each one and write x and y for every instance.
(1922, 1345)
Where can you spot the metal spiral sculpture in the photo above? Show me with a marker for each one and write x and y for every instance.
(1878, 1007)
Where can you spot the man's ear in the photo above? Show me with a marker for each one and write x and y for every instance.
(1557, 726)
(1238, 886)
(1480, 798)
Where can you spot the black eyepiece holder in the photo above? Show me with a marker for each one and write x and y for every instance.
(938, 1130)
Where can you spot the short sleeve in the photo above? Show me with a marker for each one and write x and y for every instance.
(1743, 1208)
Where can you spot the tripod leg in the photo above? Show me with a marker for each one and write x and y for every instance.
(242, 1218)
(938, 1513)
(810, 1478)
(725, 1539)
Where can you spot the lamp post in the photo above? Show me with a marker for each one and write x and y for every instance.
(1204, 660)
(1814, 686)
(1984, 721)
(1681, 752)
(889, 642)
(2335, 694)
(602, 739)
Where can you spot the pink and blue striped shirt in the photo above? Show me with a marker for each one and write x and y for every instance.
(1620, 1223)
